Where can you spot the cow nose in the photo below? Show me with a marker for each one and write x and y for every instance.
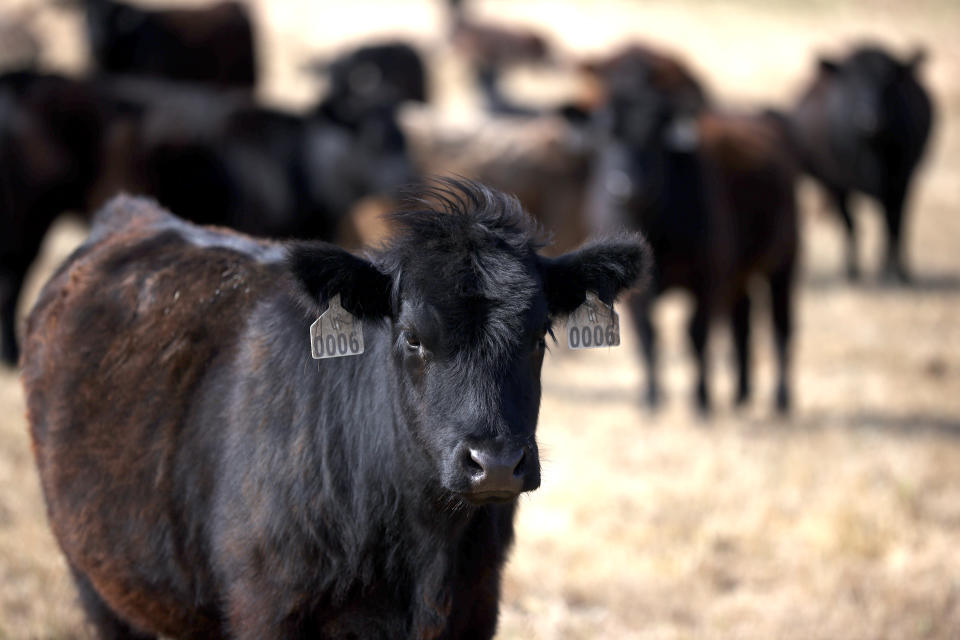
(498, 474)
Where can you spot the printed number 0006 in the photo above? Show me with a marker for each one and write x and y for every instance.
(337, 344)
(591, 336)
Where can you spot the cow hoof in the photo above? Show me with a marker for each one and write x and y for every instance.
(653, 398)
(783, 401)
(702, 404)
(894, 273)
(9, 356)
(853, 273)
(743, 396)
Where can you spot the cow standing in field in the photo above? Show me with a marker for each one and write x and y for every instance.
(714, 195)
(206, 479)
(863, 125)
(213, 44)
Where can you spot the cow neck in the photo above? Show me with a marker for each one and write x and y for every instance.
(427, 529)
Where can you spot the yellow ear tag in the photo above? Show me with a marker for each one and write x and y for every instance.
(336, 333)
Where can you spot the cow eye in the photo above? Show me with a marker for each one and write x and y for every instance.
(411, 342)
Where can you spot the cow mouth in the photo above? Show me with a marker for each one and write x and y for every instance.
(490, 497)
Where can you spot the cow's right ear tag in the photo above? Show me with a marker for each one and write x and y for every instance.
(336, 333)
(593, 324)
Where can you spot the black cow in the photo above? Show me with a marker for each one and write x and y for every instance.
(213, 44)
(862, 126)
(714, 195)
(371, 76)
(217, 157)
(51, 135)
(222, 159)
(206, 479)
(661, 70)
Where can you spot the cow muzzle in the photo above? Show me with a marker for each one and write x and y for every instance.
(497, 476)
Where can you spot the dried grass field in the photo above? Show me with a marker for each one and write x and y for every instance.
(842, 521)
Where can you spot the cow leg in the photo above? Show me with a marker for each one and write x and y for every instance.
(781, 302)
(740, 324)
(640, 312)
(699, 331)
(106, 623)
(11, 282)
(893, 200)
(841, 199)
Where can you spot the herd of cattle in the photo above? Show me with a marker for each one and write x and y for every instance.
(372, 496)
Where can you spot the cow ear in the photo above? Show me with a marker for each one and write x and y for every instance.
(606, 267)
(915, 59)
(323, 270)
(827, 65)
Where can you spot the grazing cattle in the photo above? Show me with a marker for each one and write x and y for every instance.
(206, 479)
(213, 44)
(714, 194)
(863, 125)
(218, 158)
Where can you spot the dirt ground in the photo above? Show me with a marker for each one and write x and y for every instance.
(842, 521)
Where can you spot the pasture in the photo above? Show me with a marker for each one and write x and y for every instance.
(841, 521)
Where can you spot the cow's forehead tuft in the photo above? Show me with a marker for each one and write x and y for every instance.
(464, 215)
(472, 257)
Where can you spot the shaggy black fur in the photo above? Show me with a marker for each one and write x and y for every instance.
(207, 479)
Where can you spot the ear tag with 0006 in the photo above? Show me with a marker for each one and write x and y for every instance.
(593, 324)
(336, 333)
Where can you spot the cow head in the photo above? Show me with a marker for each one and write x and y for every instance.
(869, 80)
(641, 125)
(469, 306)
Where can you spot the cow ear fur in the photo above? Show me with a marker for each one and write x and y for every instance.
(324, 270)
(606, 267)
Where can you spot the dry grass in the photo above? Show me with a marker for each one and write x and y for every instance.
(841, 522)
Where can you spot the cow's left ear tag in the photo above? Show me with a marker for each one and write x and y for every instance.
(593, 324)
(336, 333)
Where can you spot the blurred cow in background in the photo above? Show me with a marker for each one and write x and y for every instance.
(545, 161)
(863, 125)
(215, 157)
(213, 44)
(222, 159)
(51, 135)
(374, 75)
(714, 194)
(661, 70)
